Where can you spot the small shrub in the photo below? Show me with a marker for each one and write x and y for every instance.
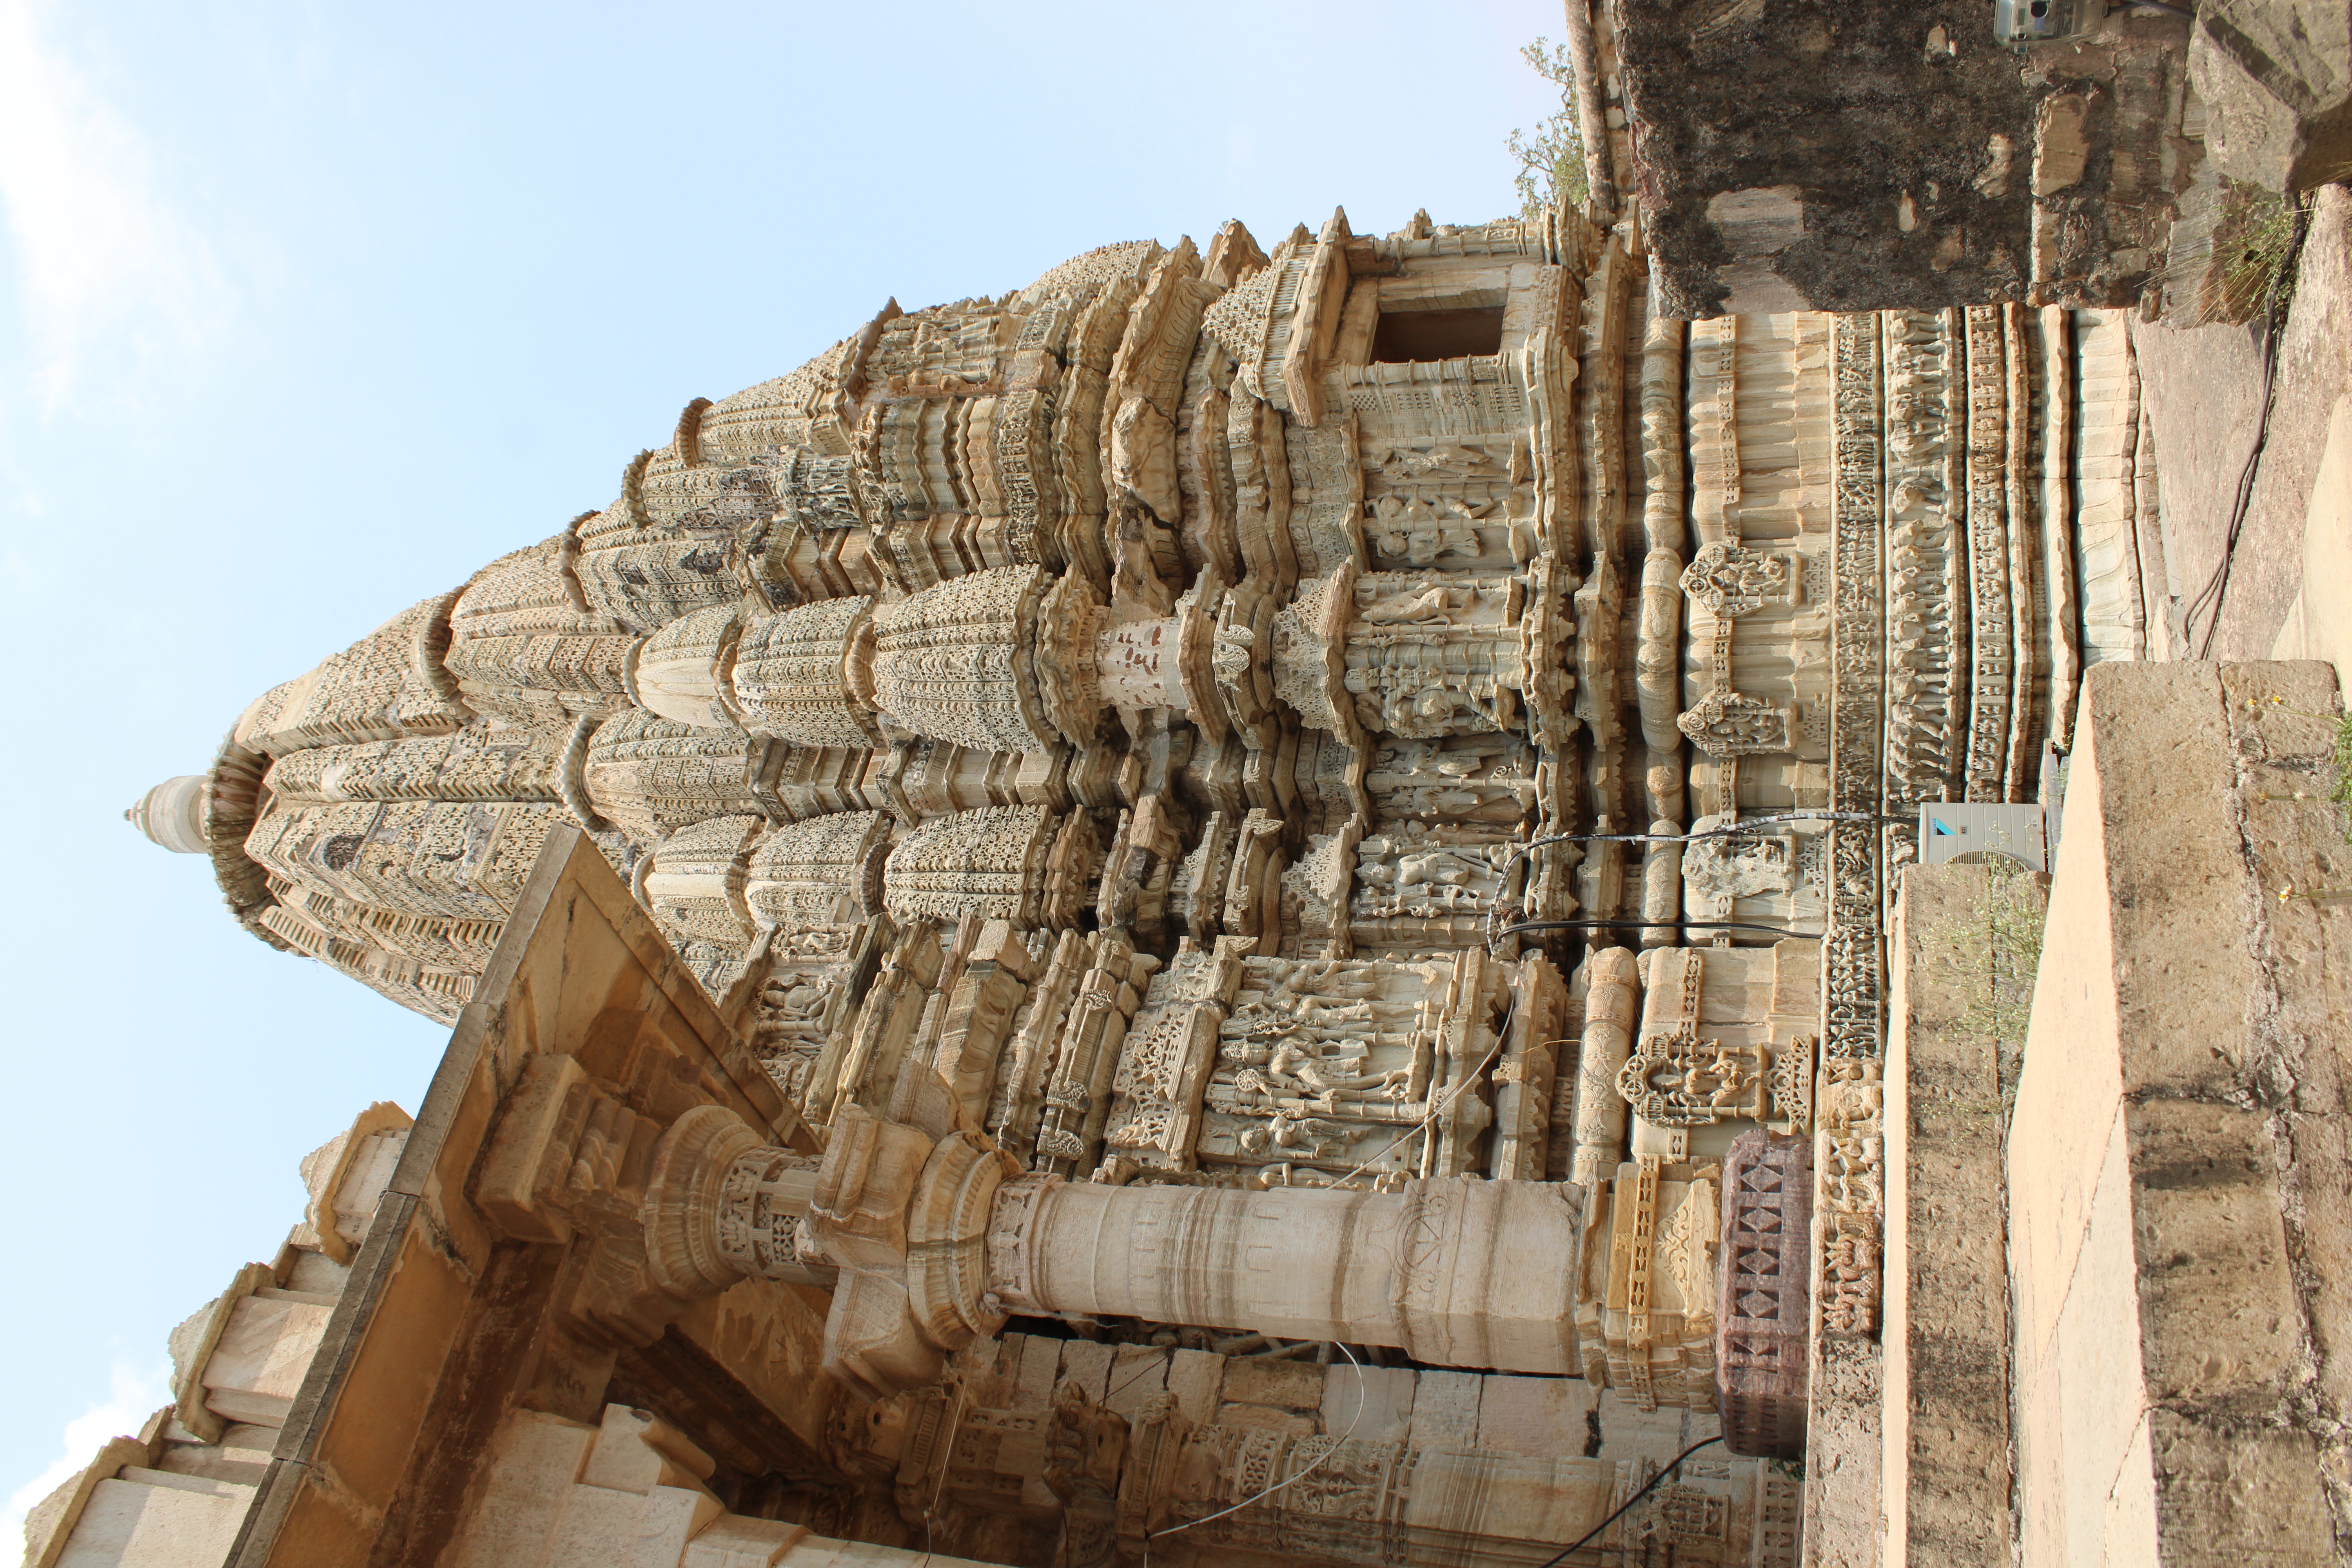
(1551, 156)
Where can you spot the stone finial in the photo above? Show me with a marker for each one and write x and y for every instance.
(173, 815)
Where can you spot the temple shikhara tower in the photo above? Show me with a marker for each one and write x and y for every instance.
(1310, 817)
(1262, 906)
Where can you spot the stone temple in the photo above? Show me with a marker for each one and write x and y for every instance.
(1234, 909)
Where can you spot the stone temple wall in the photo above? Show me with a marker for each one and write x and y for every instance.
(1391, 712)
(1791, 155)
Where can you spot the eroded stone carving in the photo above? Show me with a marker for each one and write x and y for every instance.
(1144, 732)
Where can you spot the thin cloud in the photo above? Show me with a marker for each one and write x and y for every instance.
(134, 1396)
(111, 276)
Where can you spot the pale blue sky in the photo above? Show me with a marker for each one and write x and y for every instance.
(313, 310)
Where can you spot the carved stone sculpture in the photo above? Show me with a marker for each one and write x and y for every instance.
(1233, 738)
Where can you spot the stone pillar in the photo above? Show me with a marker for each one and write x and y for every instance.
(1611, 999)
(1763, 1297)
(937, 1238)
(1457, 1273)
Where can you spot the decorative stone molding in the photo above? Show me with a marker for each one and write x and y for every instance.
(1761, 1322)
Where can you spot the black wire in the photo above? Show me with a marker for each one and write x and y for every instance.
(1594, 1533)
(1629, 925)
(1728, 831)
(1808, 814)
(2217, 588)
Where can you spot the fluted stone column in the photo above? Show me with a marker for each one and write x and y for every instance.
(1456, 1272)
(936, 1242)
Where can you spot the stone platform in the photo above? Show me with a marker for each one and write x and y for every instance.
(2134, 1233)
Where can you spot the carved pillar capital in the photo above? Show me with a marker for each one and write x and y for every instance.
(723, 1207)
(1012, 1275)
(907, 1216)
(675, 1214)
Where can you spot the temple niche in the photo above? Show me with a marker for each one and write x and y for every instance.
(1221, 750)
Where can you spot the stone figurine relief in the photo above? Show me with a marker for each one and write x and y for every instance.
(1186, 752)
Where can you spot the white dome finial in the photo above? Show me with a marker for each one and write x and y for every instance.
(173, 815)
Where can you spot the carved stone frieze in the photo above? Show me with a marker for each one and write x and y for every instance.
(1155, 763)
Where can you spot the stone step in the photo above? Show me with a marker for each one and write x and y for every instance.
(243, 1466)
(309, 1298)
(207, 1485)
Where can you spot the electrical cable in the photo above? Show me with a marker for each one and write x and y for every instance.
(2217, 588)
(1502, 1033)
(1808, 814)
(1362, 1399)
(1748, 825)
(1502, 1029)
(948, 1449)
(1594, 1533)
(1628, 925)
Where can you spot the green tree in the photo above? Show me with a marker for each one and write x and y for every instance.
(1551, 156)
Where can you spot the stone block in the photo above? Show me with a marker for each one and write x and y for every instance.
(308, 1527)
(1137, 1373)
(155, 1527)
(1041, 1365)
(2069, 1089)
(203, 1485)
(1284, 1384)
(50, 1523)
(2172, 1336)
(394, 1385)
(1947, 1432)
(534, 1462)
(1628, 1431)
(665, 1524)
(2216, 1296)
(2275, 79)
(1369, 1403)
(192, 1344)
(244, 1405)
(1087, 1365)
(595, 1524)
(2040, 1508)
(315, 1271)
(2317, 625)
(734, 1543)
(2096, 1355)
(1541, 1417)
(989, 1368)
(2175, 874)
(1446, 1409)
(2251, 1494)
(1197, 1379)
(2320, 1150)
(1844, 1458)
(635, 1452)
(1267, 1418)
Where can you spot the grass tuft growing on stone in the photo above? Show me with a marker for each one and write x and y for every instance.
(1994, 959)
(2261, 276)
(2342, 793)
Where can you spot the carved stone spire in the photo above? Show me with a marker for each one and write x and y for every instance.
(173, 815)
